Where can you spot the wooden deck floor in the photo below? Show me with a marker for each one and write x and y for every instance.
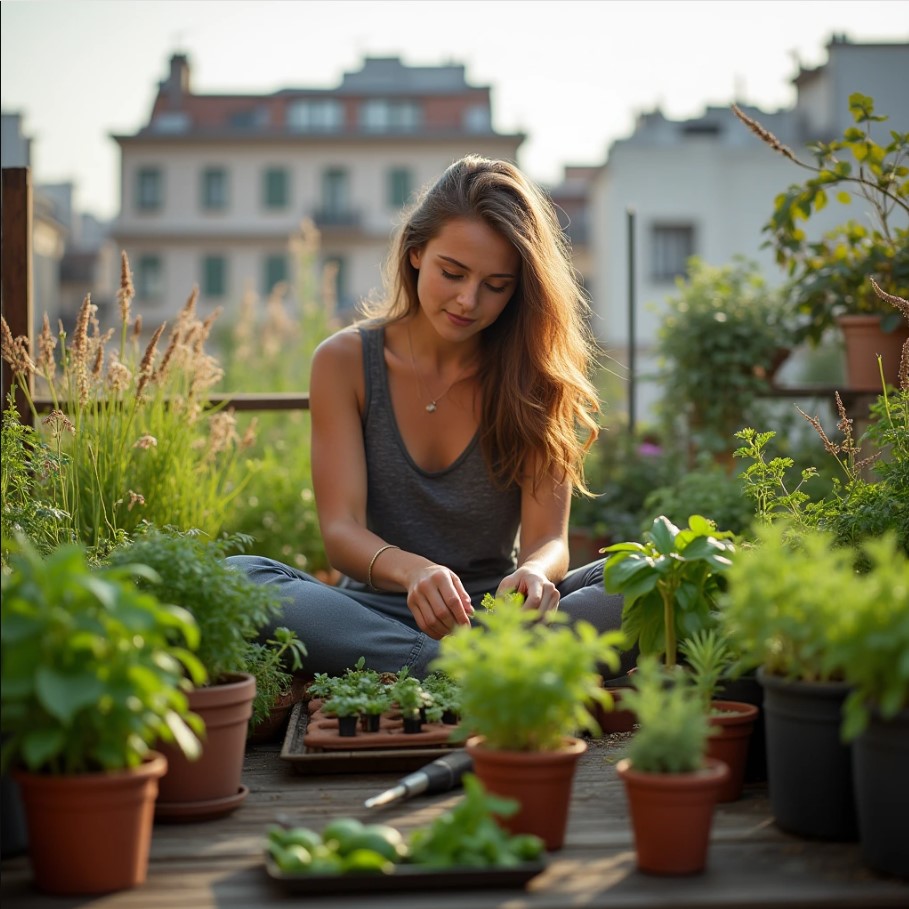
(219, 863)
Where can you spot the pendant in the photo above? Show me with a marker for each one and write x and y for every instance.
(431, 407)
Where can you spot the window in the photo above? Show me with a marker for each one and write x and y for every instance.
(335, 195)
(274, 272)
(149, 189)
(672, 245)
(214, 188)
(383, 116)
(477, 119)
(214, 276)
(399, 186)
(276, 187)
(150, 279)
(317, 115)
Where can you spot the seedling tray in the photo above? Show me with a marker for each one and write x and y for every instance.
(406, 877)
(312, 745)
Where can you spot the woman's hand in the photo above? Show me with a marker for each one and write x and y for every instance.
(538, 591)
(438, 601)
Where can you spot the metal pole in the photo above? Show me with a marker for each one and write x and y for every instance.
(632, 340)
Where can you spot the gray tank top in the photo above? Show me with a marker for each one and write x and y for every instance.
(458, 517)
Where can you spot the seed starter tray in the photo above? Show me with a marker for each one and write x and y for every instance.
(312, 745)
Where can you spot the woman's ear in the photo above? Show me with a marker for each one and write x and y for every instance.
(416, 256)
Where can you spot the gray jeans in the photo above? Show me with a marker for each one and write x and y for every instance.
(340, 624)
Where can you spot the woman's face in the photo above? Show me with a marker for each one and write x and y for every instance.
(467, 275)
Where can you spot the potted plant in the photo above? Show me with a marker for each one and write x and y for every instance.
(870, 651)
(868, 497)
(670, 582)
(830, 275)
(231, 612)
(277, 689)
(526, 683)
(708, 658)
(94, 674)
(670, 783)
(786, 604)
(720, 342)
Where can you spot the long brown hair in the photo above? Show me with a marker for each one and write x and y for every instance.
(539, 405)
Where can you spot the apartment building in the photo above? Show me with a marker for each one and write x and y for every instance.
(215, 188)
(706, 187)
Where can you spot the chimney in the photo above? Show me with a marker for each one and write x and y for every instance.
(177, 83)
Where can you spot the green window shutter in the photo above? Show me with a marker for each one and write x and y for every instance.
(214, 276)
(400, 184)
(276, 187)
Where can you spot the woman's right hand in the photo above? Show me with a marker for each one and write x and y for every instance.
(438, 601)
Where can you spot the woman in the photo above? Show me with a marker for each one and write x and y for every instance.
(448, 433)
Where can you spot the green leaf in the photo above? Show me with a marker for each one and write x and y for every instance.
(63, 695)
(663, 533)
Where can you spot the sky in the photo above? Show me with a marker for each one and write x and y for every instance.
(571, 74)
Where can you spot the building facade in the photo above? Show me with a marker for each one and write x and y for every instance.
(219, 191)
(705, 187)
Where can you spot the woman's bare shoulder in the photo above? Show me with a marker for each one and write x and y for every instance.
(341, 349)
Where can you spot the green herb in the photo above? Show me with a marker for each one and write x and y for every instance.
(94, 670)
(670, 582)
(526, 680)
(673, 726)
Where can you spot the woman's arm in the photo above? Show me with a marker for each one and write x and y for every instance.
(543, 552)
(435, 595)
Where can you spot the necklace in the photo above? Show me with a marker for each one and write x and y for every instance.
(433, 404)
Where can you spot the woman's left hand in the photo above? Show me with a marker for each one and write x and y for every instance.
(538, 591)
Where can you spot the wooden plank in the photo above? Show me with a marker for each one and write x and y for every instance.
(752, 863)
(16, 271)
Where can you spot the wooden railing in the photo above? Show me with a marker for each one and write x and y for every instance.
(17, 303)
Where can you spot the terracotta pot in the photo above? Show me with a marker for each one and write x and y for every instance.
(729, 744)
(274, 727)
(210, 786)
(618, 719)
(540, 781)
(91, 832)
(864, 340)
(671, 815)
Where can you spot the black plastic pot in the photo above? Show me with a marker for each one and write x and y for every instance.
(347, 725)
(370, 722)
(880, 763)
(412, 725)
(809, 769)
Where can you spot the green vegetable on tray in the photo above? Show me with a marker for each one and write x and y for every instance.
(466, 836)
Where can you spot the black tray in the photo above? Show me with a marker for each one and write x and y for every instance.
(405, 877)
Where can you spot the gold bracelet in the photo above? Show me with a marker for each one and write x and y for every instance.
(373, 562)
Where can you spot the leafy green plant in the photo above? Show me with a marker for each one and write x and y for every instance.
(230, 610)
(670, 582)
(672, 724)
(94, 670)
(709, 657)
(860, 505)
(269, 663)
(24, 511)
(130, 438)
(830, 275)
(871, 646)
(788, 599)
(706, 489)
(408, 694)
(719, 342)
(468, 834)
(526, 681)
